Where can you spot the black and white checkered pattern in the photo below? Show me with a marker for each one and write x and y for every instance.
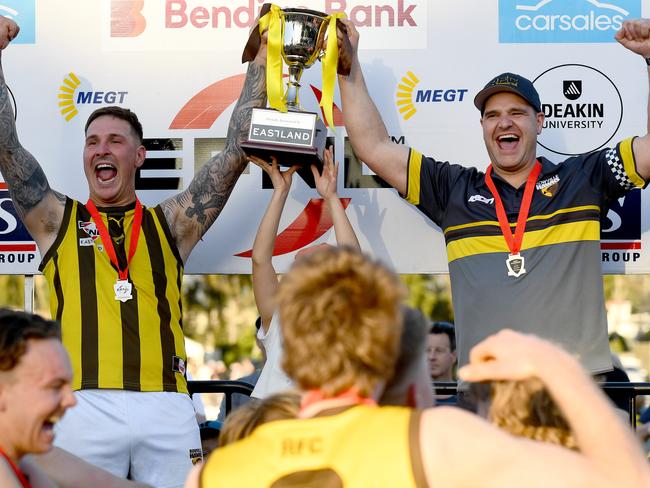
(618, 170)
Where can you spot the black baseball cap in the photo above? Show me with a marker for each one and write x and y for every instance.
(509, 82)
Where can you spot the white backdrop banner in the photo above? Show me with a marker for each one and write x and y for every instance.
(176, 63)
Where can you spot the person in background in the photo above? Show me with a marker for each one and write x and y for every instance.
(441, 350)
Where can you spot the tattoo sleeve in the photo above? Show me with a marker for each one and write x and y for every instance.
(191, 212)
(22, 173)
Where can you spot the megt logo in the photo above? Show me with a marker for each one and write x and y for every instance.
(552, 21)
(407, 87)
(71, 94)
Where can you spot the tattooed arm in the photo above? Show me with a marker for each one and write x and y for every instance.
(191, 213)
(38, 206)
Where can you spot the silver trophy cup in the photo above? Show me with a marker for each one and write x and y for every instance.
(303, 36)
(295, 136)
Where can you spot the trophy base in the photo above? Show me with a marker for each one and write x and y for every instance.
(293, 138)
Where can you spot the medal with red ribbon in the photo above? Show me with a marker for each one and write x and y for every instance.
(515, 262)
(122, 287)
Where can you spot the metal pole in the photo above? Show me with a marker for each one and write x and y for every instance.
(29, 293)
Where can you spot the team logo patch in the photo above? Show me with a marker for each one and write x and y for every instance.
(196, 456)
(91, 231)
(548, 187)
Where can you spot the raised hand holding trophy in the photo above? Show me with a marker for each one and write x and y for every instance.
(299, 37)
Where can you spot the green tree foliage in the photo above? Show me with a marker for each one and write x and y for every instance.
(219, 311)
(431, 294)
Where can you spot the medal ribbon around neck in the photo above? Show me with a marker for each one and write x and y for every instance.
(108, 242)
(514, 240)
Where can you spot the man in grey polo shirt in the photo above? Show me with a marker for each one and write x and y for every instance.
(523, 238)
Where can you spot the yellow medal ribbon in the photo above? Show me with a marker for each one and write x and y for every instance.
(330, 63)
(273, 21)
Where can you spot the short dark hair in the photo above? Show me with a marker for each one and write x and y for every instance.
(445, 328)
(16, 328)
(412, 341)
(120, 113)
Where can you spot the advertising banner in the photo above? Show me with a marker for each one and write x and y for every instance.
(177, 64)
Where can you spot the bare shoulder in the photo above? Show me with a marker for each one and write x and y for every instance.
(7, 477)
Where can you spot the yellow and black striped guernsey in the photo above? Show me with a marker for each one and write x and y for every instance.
(134, 345)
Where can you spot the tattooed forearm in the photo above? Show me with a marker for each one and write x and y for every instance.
(27, 182)
(208, 192)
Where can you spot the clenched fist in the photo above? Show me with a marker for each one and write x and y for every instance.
(635, 35)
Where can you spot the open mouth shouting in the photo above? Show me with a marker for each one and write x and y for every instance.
(507, 141)
(105, 172)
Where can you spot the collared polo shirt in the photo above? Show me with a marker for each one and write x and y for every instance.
(560, 297)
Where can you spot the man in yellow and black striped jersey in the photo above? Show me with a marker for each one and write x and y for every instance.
(114, 268)
(523, 238)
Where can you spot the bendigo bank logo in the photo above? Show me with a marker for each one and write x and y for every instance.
(582, 109)
(127, 19)
(73, 92)
(132, 18)
(552, 21)
(408, 87)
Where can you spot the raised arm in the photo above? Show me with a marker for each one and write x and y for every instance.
(191, 213)
(38, 206)
(265, 279)
(368, 136)
(607, 446)
(326, 184)
(635, 36)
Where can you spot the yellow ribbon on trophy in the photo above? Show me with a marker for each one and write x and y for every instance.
(330, 63)
(273, 21)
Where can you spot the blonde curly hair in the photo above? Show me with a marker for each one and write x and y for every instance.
(241, 422)
(341, 321)
(526, 409)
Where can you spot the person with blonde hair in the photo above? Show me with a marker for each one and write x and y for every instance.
(341, 320)
(525, 409)
(242, 422)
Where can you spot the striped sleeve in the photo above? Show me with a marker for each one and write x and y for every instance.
(621, 163)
